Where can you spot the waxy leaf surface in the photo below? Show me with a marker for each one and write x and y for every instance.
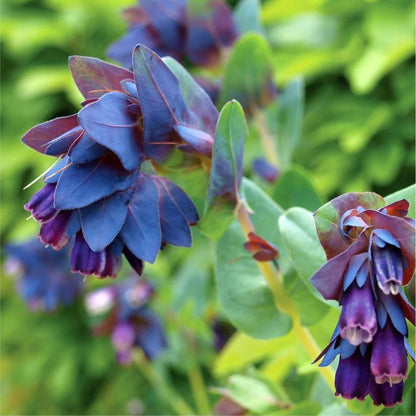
(328, 216)
(87, 150)
(141, 232)
(248, 74)
(95, 77)
(39, 136)
(81, 185)
(110, 125)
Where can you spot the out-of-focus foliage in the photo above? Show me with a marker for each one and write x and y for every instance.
(356, 61)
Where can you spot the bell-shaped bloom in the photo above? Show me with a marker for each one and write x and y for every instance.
(123, 311)
(97, 190)
(371, 255)
(42, 279)
(175, 28)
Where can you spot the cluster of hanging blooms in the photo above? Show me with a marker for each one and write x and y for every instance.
(103, 190)
(42, 279)
(371, 256)
(194, 32)
(122, 310)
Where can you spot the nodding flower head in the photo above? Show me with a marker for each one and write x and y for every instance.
(101, 190)
(371, 255)
(123, 311)
(42, 279)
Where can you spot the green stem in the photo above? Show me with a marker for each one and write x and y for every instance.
(199, 390)
(283, 301)
(167, 393)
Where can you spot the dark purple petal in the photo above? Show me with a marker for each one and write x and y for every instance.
(211, 87)
(265, 170)
(327, 218)
(111, 126)
(87, 150)
(353, 376)
(161, 100)
(95, 77)
(81, 185)
(112, 259)
(135, 263)
(141, 232)
(37, 137)
(388, 357)
(150, 335)
(358, 320)
(102, 220)
(168, 18)
(210, 32)
(173, 223)
(61, 144)
(388, 268)
(197, 139)
(123, 336)
(54, 232)
(386, 394)
(41, 204)
(86, 261)
(329, 278)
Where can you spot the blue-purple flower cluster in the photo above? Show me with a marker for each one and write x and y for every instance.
(198, 33)
(42, 279)
(123, 312)
(367, 278)
(99, 191)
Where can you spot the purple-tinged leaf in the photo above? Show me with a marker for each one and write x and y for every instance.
(161, 100)
(55, 173)
(407, 308)
(387, 237)
(135, 263)
(392, 306)
(74, 224)
(402, 231)
(87, 150)
(168, 18)
(397, 209)
(141, 232)
(95, 77)
(409, 349)
(37, 137)
(121, 49)
(327, 218)
(197, 139)
(353, 268)
(81, 185)
(362, 275)
(210, 29)
(204, 113)
(110, 125)
(173, 222)
(129, 87)
(103, 220)
(61, 144)
(329, 278)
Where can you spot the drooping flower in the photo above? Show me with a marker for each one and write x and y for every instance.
(123, 311)
(370, 248)
(198, 33)
(98, 190)
(265, 170)
(42, 279)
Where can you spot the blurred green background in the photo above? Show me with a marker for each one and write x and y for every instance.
(357, 59)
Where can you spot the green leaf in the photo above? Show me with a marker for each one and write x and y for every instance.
(406, 193)
(226, 171)
(294, 188)
(242, 289)
(247, 17)
(304, 408)
(285, 118)
(248, 74)
(301, 241)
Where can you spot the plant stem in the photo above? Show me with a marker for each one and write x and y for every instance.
(167, 393)
(282, 300)
(267, 139)
(199, 390)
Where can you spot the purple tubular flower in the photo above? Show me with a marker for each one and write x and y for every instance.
(129, 319)
(353, 376)
(358, 320)
(265, 170)
(389, 357)
(371, 255)
(41, 205)
(386, 394)
(98, 190)
(43, 281)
